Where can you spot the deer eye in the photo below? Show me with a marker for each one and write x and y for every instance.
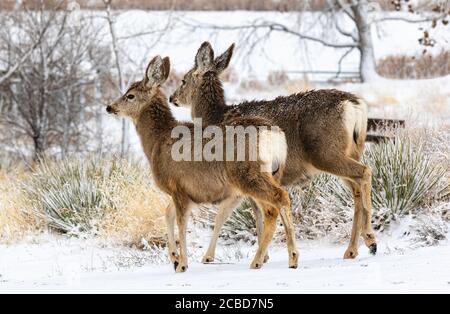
(130, 97)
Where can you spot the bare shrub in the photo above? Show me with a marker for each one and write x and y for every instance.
(230, 75)
(252, 84)
(416, 67)
(277, 78)
(258, 5)
(46, 104)
(299, 85)
(430, 226)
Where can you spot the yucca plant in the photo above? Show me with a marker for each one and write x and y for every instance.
(241, 225)
(404, 178)
(73, 194)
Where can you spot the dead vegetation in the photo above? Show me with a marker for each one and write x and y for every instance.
(197, 5)
(413, 67)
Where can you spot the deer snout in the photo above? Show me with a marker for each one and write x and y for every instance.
(173, 100)
(110, 110)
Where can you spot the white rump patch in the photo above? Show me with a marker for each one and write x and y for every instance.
(272, 149)
(355, 117)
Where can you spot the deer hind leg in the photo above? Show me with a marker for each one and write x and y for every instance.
(359, 176)
(352, 250)
(170, 222)
(223, 213)
(267, 192)
(286, 218)
(367, 231)
(259, 221)
(270, 225)
(366, 204)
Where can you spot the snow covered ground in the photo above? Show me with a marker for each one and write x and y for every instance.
(60, 265)
(57, 264)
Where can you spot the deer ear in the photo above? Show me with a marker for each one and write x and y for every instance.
(166, 68)
(205, 56)
(222, 61)
(157, 72)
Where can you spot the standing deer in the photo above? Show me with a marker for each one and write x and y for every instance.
(325, 132)
(193, 182)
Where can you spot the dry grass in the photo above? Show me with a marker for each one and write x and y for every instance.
(299, 85)
(16, 221)
(424, 66)
(140, 217)
(255, 5)
(109, 198)
(252, 84)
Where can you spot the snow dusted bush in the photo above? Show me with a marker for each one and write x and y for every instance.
(325, 209)
(407, 177)
(107, 197)
(241, 225)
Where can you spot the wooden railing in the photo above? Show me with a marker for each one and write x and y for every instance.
(375, 125)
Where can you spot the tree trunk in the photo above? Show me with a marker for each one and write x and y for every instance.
(38, 147)
(367, 65)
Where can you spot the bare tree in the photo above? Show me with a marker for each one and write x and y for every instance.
(12, 67)
(115, 43)
(362, 15)
(43, 102)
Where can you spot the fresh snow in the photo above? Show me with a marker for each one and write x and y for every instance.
(59, 265)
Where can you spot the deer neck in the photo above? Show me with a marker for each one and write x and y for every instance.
(209, 101)
(155, 122)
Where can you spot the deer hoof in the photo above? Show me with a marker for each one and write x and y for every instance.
(181, 268)
(373, 249)
(350, 254)
(207, 259)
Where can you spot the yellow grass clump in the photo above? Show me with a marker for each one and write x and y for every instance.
(108, 198)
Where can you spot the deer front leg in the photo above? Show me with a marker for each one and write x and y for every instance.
(170, 222)
(223, 213)
(182, 210)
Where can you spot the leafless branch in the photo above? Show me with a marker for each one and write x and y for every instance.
(276, 27)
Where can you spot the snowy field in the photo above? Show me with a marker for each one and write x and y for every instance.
(74, 266)
(57, 264)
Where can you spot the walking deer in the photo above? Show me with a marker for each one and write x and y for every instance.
(219, 181)
(325, 132)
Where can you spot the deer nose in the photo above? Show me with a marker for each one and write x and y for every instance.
(173, 100)
(109, 109)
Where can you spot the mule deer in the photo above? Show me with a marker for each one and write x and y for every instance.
(193, 182)
(325, 132)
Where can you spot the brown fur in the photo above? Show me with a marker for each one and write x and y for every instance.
(315, 126)
(194, 182)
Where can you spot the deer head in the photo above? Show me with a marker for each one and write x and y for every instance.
(140, 93)
(205, 64)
